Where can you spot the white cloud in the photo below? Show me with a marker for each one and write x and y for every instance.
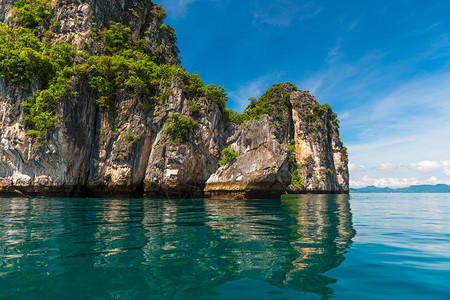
(394, 182)
(426, 166)
(446, 167)
(405, 149)
(404, 127)
(383, 182)
(177, 8)
(354, 167)
(389, 166)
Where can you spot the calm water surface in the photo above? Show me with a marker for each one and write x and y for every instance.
(362, 246)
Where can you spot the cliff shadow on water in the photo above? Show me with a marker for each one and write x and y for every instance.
(171, 249)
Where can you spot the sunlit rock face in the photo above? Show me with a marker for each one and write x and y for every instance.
(321, 156)
(126, 151)
(261, 167)
(264, 165)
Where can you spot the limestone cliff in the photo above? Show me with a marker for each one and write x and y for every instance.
(303, 155)
(106, 110)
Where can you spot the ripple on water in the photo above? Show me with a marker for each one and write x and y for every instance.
(301, 247)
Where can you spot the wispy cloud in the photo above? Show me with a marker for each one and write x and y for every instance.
(389, 166)
(383, 122)
(425, 166)
(177, 8)
(410, 124)
(430, 144)
(283, 12)
(353, 167)
(354, 78)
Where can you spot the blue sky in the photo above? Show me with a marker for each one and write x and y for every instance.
(383, 66)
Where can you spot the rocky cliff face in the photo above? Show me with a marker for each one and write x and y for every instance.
(266, 165)
(320, 154)
(157, 133)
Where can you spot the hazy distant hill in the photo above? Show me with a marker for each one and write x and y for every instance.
(439, 188)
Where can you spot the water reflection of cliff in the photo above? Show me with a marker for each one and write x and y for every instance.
(171, 249)
(198, 246)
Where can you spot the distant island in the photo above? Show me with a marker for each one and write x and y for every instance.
(438, 188)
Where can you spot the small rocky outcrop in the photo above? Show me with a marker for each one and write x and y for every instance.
(273, 160)
(261, 167)
(111, 113)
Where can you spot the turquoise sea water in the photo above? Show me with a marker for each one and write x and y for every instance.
(362, 246)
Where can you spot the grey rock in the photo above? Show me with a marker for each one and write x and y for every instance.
(126, 151)
(263, 168)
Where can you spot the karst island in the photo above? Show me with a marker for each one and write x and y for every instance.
(94, 102)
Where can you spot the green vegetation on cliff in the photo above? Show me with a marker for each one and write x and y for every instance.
(31, 13)
(228, 155)
(296, 179)
(325, 109)
(178, 127)
(275, 101)
(117, 64)
(122, 65)
(24, 59)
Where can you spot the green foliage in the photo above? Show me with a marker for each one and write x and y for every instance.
(345, 153)
(130, 70)
(39, 109)
(275, 101)
(94, 32)
(23, 57)
(169, 33)
(31, 13)
(117, 37)
(159, 11)
(129, 137)
(291, 148)
(62, 55)
(232, 116)
(228, 155)
(136, 72)
(215, 94)
(310, 118)
(325, 109)
(296, 179)
(178, 127)
(193, 106)
(192, 84)
(335, 122)
(253, 102)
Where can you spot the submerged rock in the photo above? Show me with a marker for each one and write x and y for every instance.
(164, 137)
